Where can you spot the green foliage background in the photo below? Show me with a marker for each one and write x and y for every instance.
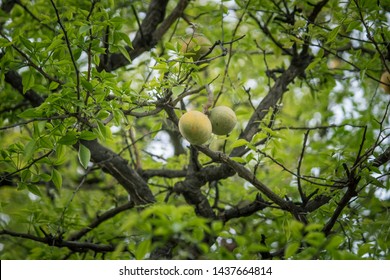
(309, 179)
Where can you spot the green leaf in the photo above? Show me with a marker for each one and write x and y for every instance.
(101, 129)
(291, 249)
(125, 38)
(177, 90)
(29, 150)
(142, 249)
(87, 135)
(34, 189)
(84, 156)
(315, 239)
(53, 85)
(364, 249)
(376, 182)
(96, 59)
(239, 143)
(56, 177)
(28, 81)
(55, 43)
(124, 52)
(30, 113)
(27, 43)
(5, 43)
(238, 159)
(69, 139)
(313, 64)
(87, 85)
(332, 34)
(334, 242)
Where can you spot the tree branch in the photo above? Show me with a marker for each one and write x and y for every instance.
(15, 80)
(297, 67)
(111, 162)
(257, 205)
(118, 167)
(351, 192)
(246, 174)
(58, 242)
(68, 44)
(100, 219)
(150, 32)
(382, 158)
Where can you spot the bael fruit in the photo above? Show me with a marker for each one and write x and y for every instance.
(223, 120)
(334, 63)
(385, 79)
(196, 46)
(195, 127)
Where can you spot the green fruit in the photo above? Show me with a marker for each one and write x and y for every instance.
(196, 46)
(385, 79)
(223, 120)
(195, 127)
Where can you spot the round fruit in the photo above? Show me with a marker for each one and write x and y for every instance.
(334, 63)
(195, 127)
(385, 78)
(223, 119)
(196, 46)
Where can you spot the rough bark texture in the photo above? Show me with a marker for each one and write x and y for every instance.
(119, 168)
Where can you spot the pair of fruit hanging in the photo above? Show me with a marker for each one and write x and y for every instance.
(197, 127)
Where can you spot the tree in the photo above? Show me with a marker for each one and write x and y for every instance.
(92, 162)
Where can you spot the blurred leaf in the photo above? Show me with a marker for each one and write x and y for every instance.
(84, 156)
(34, 189)
(56, 178)
(239, 143)
(87, 135)
(142, 249)
(125, 53)
(291, 249)
(29, 150)
(28, 81)
(70, 138)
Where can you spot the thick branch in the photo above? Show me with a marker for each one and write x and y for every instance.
(297, 67)
(258, 204)
(15, 80)
(115, 165)
(246, 174)
(151, 32)
(382, 158)
(111, 162)
(351, 192)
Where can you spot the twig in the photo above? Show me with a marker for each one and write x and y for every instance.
(230, 53)
(34, 16)
(370, 37)
(358, 158)
(27, 166)
(302, 194)
(138, 22)
(62, 217)
(89, 51)
(100, 219)
(58, 242)
(31, 63)
(138, 162)
(35, 120)
(68, 44)
(294, 174)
